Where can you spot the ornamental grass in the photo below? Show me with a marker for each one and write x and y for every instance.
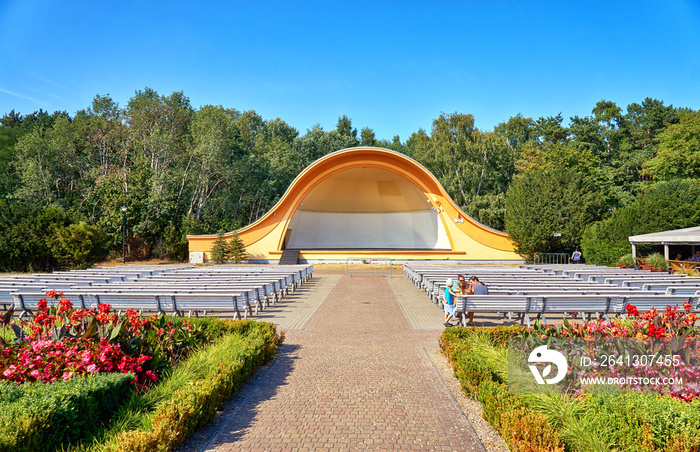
(581, 422)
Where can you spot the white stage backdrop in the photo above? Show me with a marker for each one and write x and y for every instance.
(392, 230)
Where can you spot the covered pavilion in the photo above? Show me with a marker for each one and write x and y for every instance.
(363, 202)
(677, 237)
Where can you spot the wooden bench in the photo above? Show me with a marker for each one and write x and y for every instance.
(511, 304)
(193, 303)
(599, 305)
(645, 303)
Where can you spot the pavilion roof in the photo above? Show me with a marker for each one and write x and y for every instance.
(687, 236)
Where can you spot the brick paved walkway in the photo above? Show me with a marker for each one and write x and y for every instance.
(357, 375)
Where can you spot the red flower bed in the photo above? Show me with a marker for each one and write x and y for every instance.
(674, 327)
(61, 342)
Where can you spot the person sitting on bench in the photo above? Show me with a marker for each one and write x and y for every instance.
(476, 287)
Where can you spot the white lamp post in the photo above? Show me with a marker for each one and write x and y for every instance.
(124, 235)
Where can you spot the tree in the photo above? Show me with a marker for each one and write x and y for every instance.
(518, 130)
(468, 162)
(638, 140)
(678, 154)
(236, 249)
(367, 137)
(668, 205)
(540, 204)
(50, 163)
(219, 249)
(208, 167)
(550, 130)
(489, 210)
(158, 129)
(79, 244)
(344, 128)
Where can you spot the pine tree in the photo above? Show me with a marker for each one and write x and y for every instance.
(236, 249)
(219, 250)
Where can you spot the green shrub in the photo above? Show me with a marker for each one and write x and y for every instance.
(188, 397)
(39, 417)
(656, 262)
(206, 381)
(626, 261)
(647, 422)
(550, 422)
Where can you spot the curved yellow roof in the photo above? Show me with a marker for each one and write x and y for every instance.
(265, 237)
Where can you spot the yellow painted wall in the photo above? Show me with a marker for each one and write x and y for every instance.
(469, 239)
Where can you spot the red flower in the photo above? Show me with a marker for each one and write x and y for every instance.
(64, 305)
(632, 310)
(656, 332)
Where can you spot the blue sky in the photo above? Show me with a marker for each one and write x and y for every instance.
(393, 66)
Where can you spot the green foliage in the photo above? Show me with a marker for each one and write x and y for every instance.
(41, 238)
(182, 170)
(551, 422)
(368, 138)
(174, 409)
(627, 261)
(540, 204)
(678, 153)
(39, 417)
(489, 209)
(219, 249)
(664, 206)
(656, 261)
(236, 249)
(479, 359)
(79, 244)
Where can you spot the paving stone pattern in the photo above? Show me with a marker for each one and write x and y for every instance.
(356, 376)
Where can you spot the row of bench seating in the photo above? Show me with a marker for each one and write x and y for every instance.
(542, 305)
(238, 290)
(541, 291)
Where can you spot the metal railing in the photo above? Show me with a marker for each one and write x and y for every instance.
(368, 265)
(551, 258)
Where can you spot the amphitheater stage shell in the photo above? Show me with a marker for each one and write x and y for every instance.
(364, 203)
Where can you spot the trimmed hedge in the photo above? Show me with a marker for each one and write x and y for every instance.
(633, 422)
(212, 377)
(481, 379)
(38, 417)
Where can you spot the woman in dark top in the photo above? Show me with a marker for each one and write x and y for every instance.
(476, 287)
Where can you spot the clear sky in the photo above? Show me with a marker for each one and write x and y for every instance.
(393, 66)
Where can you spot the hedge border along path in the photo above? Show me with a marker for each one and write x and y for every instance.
(637, 422)
(171, 411)
(195, 404)
(38, 417)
